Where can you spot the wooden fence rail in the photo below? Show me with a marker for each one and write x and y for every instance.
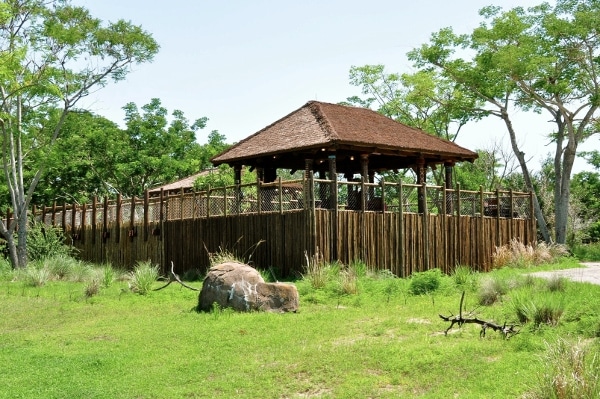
(399, 227)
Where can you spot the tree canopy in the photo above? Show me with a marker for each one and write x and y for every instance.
(52, 54)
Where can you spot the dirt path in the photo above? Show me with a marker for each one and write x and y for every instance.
(589, 273)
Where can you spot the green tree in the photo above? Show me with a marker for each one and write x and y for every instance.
(80, 163)
(544, 59)
(52, 54)
(157, 151)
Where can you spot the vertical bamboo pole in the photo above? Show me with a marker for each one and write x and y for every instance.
(119, 218)
(401, 230)
(146, 213)
(63, 218)
(94, 216)
(105, 232)
(83, 217)
(444, 223)
(132, 219)
(425, 221)
(280, 191)
(498, 232)
(73, 220)
(481, 247)
(457, 235)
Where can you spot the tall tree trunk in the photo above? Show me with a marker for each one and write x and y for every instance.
(541, 222)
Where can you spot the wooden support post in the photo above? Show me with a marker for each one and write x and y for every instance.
(401, 231)
(73, 221)
(83, 220)
(457, 236)
(132, 232)
(63, 218)
(105, 232)
(481, 247)
(498, 210)
(146, 215)
(425, 216)
(119, 218)
(94, 216)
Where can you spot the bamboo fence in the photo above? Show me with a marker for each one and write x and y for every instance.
(398, 227)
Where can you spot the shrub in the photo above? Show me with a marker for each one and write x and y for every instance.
(143, 277)
(571, 371)
(46, 241)
(517, 254)
(556, 283)
(92, 287)
(37, 277)
(491, 290)
(348, 280)
(106, 276)
(315, 271)
(539, 309)
(425, 282)
(463, 276)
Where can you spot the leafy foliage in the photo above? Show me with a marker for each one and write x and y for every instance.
(425, 282)
(44, 241)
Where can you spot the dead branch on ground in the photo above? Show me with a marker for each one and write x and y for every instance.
(174, 277)
(506, 330)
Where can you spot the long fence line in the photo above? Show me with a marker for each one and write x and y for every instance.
(396, 226)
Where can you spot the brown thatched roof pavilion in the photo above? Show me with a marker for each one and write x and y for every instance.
(325, 137)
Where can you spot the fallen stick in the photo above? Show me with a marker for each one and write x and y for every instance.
(506, 330)
(175, 277)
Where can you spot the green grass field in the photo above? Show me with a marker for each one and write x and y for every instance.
(380, 342)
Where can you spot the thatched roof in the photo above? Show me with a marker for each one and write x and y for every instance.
(186, 184)
(318, 129)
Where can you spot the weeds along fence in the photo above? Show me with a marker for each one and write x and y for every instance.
(399, 227)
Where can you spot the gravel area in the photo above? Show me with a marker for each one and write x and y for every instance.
(589, 273)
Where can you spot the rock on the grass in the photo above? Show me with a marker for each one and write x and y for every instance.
(242, 288)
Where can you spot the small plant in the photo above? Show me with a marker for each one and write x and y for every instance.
(491, 290)
(463, 276)
(37, 277)
(143, 277)
(517, 254)
(348, 281)
(541, 309)
(425, 282)
(92, 287)
(571, 371)
(106, 276)
(315, 270)
(556, 283)
(80, 271)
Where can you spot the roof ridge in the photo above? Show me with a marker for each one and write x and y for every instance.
(316, 109)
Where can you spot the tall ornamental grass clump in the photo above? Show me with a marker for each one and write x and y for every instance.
(517, 254)
(571, 370)
(143, 277)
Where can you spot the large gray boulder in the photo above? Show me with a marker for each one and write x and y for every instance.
(242, 288)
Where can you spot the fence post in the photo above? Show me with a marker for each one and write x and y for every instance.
(425, 227)
(401, 229)
(94, 216)
(482, 241)
(132, 232)
(146, 215)
(280, 195)
(73, 221)
(82, 224)
(105, 232)
(63, 218)
(457, 235)
(119, 217)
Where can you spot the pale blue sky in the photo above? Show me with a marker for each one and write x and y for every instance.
(245, 64)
